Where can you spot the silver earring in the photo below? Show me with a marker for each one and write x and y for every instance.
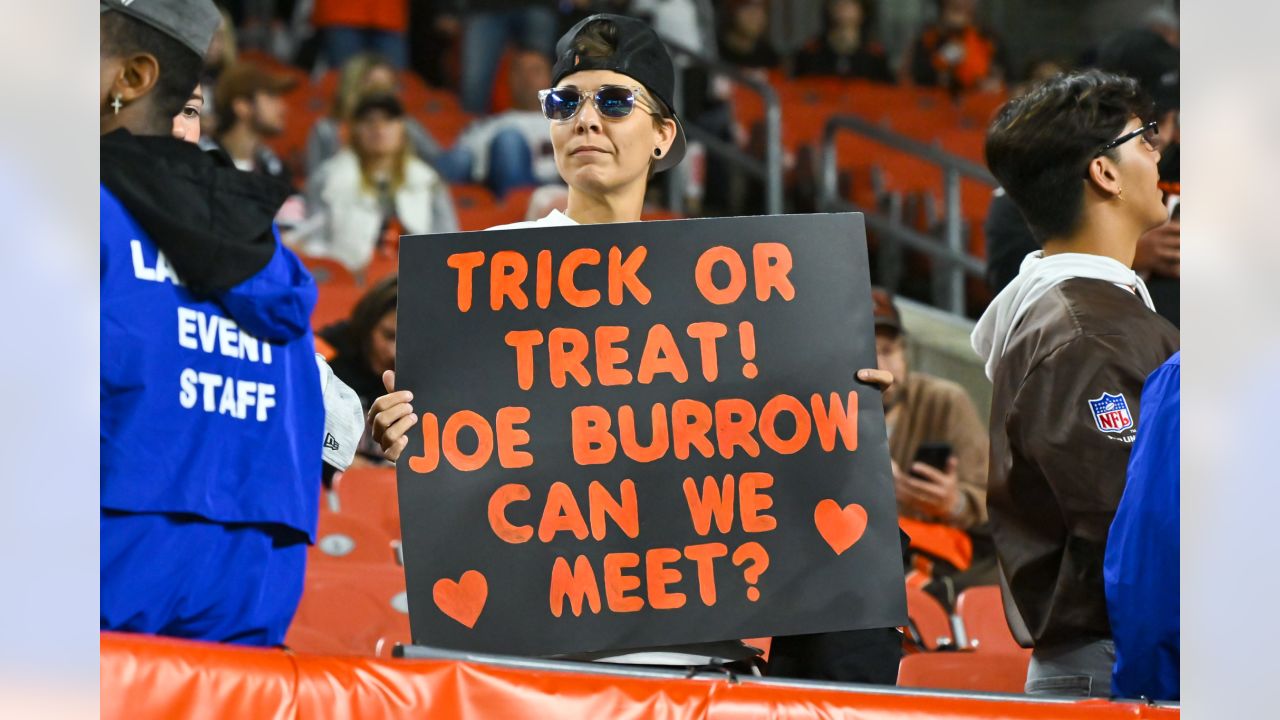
(116, 104)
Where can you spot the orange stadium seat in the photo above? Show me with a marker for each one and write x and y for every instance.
(990, 672)
(517, 201)
(655, 213)
(326, 86)
(968, 143)
(344, 539)
(929, 618)
(748, 107)
(977, 109)
(334, 303)
(369, 493)
(981, 609)
(469, 195)
(382, 264)
(327, 271)
(361, 610)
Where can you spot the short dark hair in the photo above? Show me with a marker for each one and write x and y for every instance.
(179, 66)
(1040, 144)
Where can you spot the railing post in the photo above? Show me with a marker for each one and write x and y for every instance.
(828, 178)
(773, 153)
(954, 273)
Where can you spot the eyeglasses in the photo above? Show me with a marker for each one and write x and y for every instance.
(611, 101)
(1148, 132)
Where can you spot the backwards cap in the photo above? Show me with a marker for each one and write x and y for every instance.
(641, 55)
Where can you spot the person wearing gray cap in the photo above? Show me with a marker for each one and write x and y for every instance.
(152, 52)
(212, 427)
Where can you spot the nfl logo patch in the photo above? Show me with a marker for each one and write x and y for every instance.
(1111, 413)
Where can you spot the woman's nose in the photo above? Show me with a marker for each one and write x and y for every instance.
(588, 118)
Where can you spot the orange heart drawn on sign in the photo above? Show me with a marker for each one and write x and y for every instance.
(462, 600)
(840, 527)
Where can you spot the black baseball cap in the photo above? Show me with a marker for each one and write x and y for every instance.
(640, 55)
(884, 311)
(386, 102)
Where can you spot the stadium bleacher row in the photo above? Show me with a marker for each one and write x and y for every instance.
(870, 171)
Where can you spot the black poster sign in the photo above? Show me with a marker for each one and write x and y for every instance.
(641, 434)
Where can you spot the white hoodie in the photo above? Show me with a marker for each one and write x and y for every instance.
(1036, 276)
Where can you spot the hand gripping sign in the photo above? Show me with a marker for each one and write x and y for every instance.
(642, 434)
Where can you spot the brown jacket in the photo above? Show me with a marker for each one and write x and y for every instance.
(937, 410)
(1058, 460)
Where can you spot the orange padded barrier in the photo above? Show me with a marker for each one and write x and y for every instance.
(147, 677)
(967, 670)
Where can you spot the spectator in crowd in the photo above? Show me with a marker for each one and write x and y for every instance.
(348, 28)
(513, 149)
(1009, 240)
(955, 53)
(1067, 346)
(690, 24)
(1141, 567)
(364, 347)
(1037, 72)
(487, 27)
(363, 74)
(1149, 55)
(200, 539)
(573, 12)
(943, 506)
(222, 54)
(845, 48)
(743, 41)
(607, 160)
(433, 51)
(367, 196)
(186, 124)
(251, 111)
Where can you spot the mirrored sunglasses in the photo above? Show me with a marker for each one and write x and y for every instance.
(611, 101)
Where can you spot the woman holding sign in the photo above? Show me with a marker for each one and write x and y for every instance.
(612, 128)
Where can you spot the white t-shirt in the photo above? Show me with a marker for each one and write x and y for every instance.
(553, 219)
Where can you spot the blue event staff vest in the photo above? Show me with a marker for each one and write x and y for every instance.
(208, 406)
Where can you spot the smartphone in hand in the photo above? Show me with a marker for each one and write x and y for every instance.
(934, 454)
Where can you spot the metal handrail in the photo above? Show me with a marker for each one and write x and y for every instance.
(952, 254)
(770, 168)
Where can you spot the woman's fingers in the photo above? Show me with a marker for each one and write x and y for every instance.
(387, 402)
(396, 437)
(876, 376)
(381, 421)
(393, 453)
